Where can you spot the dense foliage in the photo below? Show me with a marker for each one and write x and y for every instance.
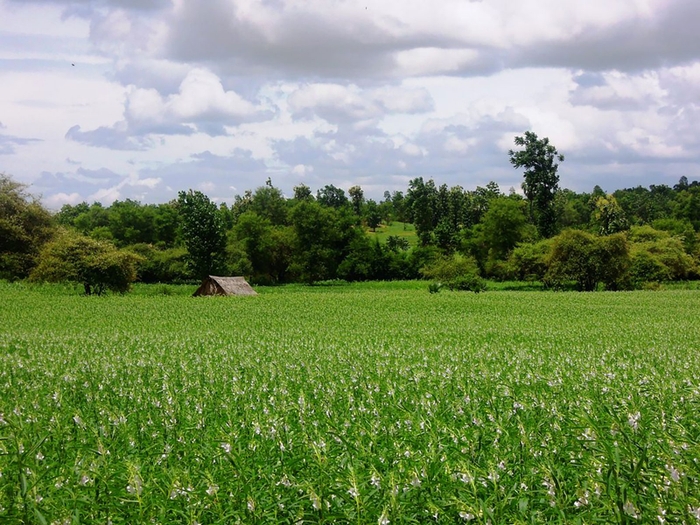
(24, 227)
(272, 239)
(97, 265)
(322, 405)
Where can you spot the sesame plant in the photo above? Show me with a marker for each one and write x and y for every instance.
(351, 405)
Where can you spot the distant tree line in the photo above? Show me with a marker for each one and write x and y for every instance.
(627, 239)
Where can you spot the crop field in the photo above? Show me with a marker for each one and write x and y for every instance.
(361, 405)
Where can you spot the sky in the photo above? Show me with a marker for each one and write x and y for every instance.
(104, 100)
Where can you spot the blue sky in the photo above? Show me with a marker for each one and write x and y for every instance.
(113, 99)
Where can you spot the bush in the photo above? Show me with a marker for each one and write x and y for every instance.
(582, 257)
(467, 283)
(435, 287)
(663, 259)
(97, 265)
(456, 273)
(528, 261)
(161, 266)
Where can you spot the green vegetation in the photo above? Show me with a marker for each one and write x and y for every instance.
(635, 238)
(351, 404)
(97, 265)
(402, 230)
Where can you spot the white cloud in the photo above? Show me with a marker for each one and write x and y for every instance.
(339, 103)
(54, 202)
(234, 91)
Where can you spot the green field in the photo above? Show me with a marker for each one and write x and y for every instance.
(353, 404)
(399, 229)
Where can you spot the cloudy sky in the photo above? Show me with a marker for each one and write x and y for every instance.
(114, 99)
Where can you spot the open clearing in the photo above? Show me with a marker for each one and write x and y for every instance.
(361, 405)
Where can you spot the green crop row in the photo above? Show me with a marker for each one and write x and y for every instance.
(350, 406)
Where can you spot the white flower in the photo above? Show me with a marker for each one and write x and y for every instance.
(353, 492)
(468, 516)
(582, 501)
(285, 481)
(212, 489)
(630, 510)
(674, 473)
(695, 511)
(39, 456)
(251, 504)
(633, 420)
(226, 447)
(374, 481)
(383, 520)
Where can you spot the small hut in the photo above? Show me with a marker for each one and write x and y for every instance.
(214, 285)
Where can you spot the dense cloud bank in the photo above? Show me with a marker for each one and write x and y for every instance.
(224, 94)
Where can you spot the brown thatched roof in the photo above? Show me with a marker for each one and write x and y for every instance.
(214, 285)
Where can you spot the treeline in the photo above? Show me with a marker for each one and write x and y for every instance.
(623, 240)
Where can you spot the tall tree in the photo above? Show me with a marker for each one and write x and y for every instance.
(331, 196)
(357, 198)
(202, 231)
(539, 158)
(373, 215)
(303, 193)
(24, 227)
(269, 202)
(421, 202)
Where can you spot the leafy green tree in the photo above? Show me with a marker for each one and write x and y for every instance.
(24, 227)
(95, 217)
(202, 232)
(528, 261)
(160, 265)
(398, 204)
(254, 234)
(421, 203)
(97, 265)
(166, 224)
(131, 223)
(504, 226)
(373, 215)
(357, 199)
(303, 193)
(331, 197)
(539, 158)
(269, 202)
(587, 259)
(658, 256)
(610, 216)
(395, 243)
(323, 236)
(69, 213)
(268, 248)
(241, 204)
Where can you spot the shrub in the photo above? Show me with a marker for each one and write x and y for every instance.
(528, 261)
(456, 272)
(97, 265)
(582, 257)
(435, 287)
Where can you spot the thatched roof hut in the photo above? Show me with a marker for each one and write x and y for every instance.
(214, 285)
